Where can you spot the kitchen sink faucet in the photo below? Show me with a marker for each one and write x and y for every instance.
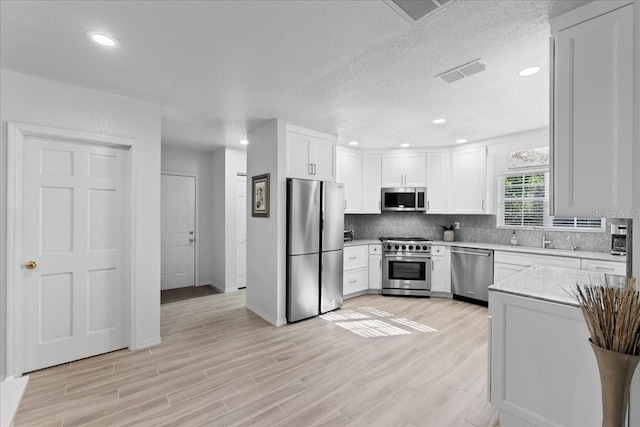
(543, 241)
(571, 245)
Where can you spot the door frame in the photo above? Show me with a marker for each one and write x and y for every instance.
(196, 176)
(16, 133)
(239, 174)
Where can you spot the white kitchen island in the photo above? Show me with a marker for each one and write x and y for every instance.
(542, 370)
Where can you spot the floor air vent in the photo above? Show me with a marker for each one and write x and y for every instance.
(414, 10)
(463, 71)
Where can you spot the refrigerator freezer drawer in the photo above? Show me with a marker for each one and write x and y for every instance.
(303, 289)
(331, 289)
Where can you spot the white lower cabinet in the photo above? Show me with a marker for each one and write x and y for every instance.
(542, 371)
(355, 281)
(356, 269)
(502, 271)
(506, 264)
(609, 267)
(527, 260)
(375, 267)
(441, 269)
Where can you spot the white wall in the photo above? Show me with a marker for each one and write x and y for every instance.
(636, 138)
(266, 244)
(38, 101)
(219, 261)
(197, 162)
(227, 163)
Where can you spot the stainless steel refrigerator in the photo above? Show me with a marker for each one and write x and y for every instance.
(315, 231)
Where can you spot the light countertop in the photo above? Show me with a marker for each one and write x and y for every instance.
(552, 284)
(604, 256)
(363, 242)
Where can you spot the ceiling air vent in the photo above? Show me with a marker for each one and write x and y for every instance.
(463, 71)
(414, 10)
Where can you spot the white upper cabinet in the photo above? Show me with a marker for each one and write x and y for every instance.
(403, 170)
(438, 182)
(350, 174)
(392, 170)
(592, 111)
(469, 175)
(371, 180)
(360, 174)
(310, 154)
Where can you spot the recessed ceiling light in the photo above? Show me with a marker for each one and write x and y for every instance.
(244, 142)
(103, 39)
(460, 141)
(529, 71)
(353, 143)
(405, 145)
(438, 121)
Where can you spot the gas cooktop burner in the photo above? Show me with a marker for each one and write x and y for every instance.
(405, 239)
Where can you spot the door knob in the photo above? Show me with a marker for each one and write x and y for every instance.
(192, 239)
(30, 265)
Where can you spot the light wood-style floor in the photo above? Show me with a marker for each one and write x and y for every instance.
(221, 365)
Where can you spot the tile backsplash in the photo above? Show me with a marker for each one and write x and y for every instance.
(473, 228)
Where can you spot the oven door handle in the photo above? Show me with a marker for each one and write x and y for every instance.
(406, 256)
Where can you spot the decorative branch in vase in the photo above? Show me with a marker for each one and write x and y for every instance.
(612, 315)
(448, 233)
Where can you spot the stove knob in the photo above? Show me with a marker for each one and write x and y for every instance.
(404, 247)
(388, 246)
(411, 248)
(424, 247)
(397, 247)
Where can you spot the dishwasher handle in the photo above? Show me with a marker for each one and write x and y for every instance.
(472, 253)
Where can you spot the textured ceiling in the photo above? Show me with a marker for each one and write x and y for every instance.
(351, 68)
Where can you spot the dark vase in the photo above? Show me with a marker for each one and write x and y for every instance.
(616, 372)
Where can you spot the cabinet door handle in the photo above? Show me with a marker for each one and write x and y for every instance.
(605, 268)
(483, 205)
(379, 204)
(315, 169)
(428, 204)
(353, 257)
(432, 264)
(310, 169)
(345, 204)
(380, 263)
(353, 281)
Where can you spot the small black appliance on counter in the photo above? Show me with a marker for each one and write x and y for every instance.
(618, 239)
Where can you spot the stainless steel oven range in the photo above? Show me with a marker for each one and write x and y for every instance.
(406, 266)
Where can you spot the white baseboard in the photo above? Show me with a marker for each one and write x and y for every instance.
(145, 344)
(11, 391)
(219, 288)
(268, 318)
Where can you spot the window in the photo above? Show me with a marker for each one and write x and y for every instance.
(523, 202)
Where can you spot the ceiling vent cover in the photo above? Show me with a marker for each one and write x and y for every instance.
(463, 71)
(414, 10)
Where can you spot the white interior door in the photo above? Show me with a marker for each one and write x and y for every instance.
(178, 231)
(76, 249)
(242, 232)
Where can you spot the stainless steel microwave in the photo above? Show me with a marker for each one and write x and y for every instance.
(404, 199)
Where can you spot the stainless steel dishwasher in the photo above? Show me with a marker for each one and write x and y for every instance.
(471, 272)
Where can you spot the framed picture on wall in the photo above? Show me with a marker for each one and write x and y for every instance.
(260, 196)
